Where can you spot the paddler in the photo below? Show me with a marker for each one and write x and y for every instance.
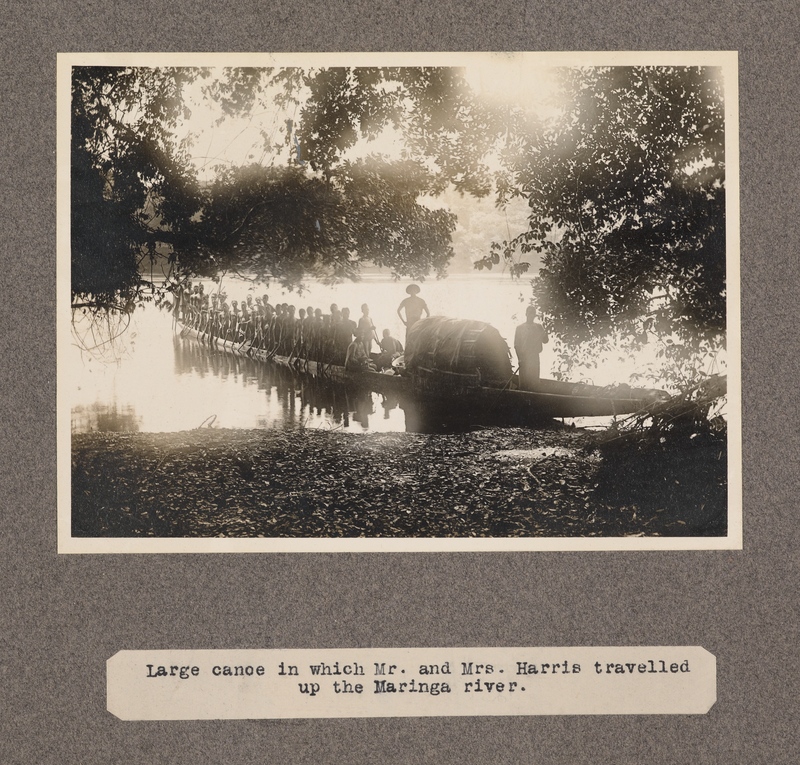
(357, 359)
(366, 329)
(391, 348)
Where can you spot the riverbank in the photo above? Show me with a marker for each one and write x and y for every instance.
(324, 483)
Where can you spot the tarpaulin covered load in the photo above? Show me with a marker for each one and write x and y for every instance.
(458, 346)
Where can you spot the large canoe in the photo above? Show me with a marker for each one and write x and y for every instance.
(466, 390)
(468, 362)
(381, 383)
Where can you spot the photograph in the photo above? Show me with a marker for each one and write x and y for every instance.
(398, 302)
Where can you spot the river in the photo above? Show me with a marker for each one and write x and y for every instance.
(136, 374)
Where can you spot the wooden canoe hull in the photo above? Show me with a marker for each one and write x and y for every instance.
(462, 397)
(553, 399)
(380, 383)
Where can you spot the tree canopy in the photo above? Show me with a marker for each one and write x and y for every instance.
(627, 209)
(322, 211)
(625, 188)
(287, 225)
(129, 180)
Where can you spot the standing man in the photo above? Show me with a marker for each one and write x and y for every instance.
(413, 306)
(343, 334)
(366, 329)
(528, 341)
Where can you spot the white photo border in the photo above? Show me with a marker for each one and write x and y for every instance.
(728, 63)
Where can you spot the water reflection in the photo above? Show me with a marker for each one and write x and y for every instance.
(166, 383)
(140, 375)
(108, 418)
(293, 399)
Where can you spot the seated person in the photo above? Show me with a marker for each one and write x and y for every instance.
(389, 344)
(391, 348)
(357, 358)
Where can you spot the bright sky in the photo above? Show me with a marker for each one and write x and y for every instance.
(235, 140)
(503, 78)
(507, 79)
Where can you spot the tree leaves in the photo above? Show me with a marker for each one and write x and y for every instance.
(282, 223)
(127, 177)
(320, 215)
(625, 193)
(627, 206)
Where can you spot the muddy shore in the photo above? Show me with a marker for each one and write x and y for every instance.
(321, 483)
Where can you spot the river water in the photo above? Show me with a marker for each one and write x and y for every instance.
(136, 374)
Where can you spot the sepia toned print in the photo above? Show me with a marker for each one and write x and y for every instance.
(383, 302)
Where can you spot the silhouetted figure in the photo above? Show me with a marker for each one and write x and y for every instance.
(357, 359)
(344, 332)
(366, 328)
(390, 344)
(391, 348)
(528, 341)
(414, 306)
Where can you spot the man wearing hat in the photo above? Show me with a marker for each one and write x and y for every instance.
(413, 306)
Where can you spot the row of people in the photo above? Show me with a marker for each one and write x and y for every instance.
(307, 334)
(332, 338)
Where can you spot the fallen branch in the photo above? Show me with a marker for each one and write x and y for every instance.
(685, 411)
